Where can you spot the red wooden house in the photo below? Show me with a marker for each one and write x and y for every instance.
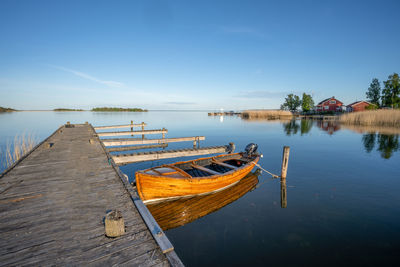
(357, 106)
(329, 104)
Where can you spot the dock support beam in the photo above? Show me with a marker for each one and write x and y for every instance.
(285, 161)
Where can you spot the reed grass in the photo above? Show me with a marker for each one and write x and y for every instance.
(381, 117)
(269, 114)
(15, 150)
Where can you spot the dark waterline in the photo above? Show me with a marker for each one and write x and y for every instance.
(343, 205)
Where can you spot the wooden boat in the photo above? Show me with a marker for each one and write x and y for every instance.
(175, 213)
(195, 177)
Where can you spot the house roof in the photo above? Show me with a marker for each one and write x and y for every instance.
(320, 103)
(358, 102)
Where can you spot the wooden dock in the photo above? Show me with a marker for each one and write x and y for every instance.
(121, 159)
(54, 201)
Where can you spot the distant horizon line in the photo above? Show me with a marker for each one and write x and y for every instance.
(206, 110)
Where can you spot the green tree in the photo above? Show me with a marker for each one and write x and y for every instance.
(292, 102)
(374, 92)
(390, 94)
(307, 103)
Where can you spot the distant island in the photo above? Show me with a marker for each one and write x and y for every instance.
(119, 109)
(6, 109)
(67, 109)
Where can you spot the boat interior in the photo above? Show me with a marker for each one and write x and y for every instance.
(202, 167)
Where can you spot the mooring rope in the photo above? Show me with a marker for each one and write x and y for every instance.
(270, 173)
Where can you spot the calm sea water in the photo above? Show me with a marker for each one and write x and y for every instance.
(343, 201)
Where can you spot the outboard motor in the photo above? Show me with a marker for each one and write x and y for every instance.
(251, 149)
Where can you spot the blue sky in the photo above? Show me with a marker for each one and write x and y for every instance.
(192, 54)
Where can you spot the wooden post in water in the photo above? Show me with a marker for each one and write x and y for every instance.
(283, 193)
(114, 224)
(142, 129)
(285, 161)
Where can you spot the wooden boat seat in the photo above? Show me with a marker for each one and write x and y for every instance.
(204, 169)
(166, 171)
(224, 164)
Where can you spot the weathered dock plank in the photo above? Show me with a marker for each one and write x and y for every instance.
(120, 126)
(127, 148)
(156, 155)
(53, 203)
(127, 142)
(143, 132)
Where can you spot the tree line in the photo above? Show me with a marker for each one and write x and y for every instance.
(389, 96)
(293, 102)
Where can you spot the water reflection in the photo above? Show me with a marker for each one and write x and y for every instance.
(369, 141)
(305, 126)
(291, 127)
(283, 193)
(172, 214)
(386, 144)
(328, 126)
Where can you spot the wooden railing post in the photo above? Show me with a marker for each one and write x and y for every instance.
(285, 161)
(132, 127)
(142, 129)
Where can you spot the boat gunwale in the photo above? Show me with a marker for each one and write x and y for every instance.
(200, 177)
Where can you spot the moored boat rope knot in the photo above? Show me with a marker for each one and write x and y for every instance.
(259, 166)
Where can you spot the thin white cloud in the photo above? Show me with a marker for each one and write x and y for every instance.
(89, 77)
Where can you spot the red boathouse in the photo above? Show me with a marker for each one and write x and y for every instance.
(329, 104)
(357, 106)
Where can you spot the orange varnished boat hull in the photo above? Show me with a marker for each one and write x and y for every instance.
(172, 214)
(157, 188)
